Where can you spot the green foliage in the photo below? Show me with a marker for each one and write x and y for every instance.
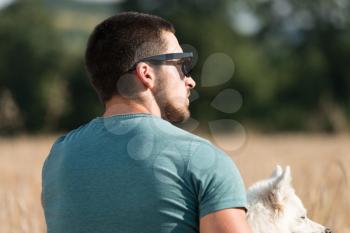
(30, 57)
(291, 62)
(291, 65)
(83, 103)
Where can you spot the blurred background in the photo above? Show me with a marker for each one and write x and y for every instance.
(276, 71)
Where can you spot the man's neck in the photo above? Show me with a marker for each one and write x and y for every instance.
(119, 105)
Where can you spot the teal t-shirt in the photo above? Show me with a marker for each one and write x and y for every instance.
(135, 173)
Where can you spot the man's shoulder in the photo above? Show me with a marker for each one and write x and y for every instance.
(199, 151)
(170, 137)
(128, 127)
(177, 134)
(72, 136)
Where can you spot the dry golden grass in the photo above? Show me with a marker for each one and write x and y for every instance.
(320, 167)
(21, 160)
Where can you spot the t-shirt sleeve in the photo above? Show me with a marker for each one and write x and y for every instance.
(216, 179)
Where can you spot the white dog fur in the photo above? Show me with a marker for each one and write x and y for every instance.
(273, 207)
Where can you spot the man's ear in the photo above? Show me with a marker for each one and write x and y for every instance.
(145, 74)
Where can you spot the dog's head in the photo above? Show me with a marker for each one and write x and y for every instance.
(274, 207)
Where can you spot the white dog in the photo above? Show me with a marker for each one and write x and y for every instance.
(273, 207)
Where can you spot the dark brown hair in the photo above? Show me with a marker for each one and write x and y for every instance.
(117, 43)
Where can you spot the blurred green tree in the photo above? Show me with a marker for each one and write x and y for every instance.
(291, 57)
(306, 46)
(82, 101)
(30, 60)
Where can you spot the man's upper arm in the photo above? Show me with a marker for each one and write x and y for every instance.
(232, 220)
(216, 180)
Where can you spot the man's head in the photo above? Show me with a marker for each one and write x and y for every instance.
(120, 43)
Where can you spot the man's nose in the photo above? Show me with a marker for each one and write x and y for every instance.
(190, 82)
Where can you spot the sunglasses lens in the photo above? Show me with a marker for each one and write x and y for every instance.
(186, 67)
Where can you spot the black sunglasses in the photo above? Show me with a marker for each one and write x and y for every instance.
(185, 61)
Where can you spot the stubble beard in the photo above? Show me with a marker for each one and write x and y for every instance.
(173, 109)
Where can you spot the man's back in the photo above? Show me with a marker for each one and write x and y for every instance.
(135, 173)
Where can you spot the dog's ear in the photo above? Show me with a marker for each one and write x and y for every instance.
(287, 176)
(281, 187)
(284, 179)
(277, 172)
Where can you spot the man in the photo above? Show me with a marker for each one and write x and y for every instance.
(131, 170)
